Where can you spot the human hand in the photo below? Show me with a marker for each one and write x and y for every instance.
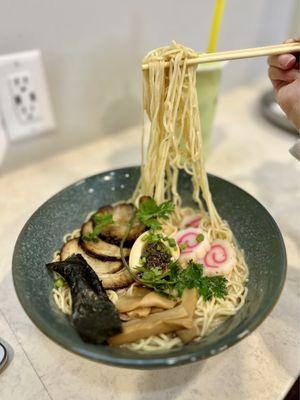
(285, 76)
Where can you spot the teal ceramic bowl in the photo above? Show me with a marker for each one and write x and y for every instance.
(253, 226)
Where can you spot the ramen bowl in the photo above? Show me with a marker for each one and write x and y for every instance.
(254, 229)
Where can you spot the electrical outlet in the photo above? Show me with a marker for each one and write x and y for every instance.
(24, 97)
(3, 141)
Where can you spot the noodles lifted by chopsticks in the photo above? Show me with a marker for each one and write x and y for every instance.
(175, 142)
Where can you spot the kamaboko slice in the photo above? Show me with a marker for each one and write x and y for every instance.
(220, 259)
(191, 220)
(193, 244)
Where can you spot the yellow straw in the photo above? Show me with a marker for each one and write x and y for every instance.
(216, 23)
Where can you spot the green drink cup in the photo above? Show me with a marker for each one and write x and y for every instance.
(208, 84)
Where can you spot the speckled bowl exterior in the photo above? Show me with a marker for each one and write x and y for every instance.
(254, 228)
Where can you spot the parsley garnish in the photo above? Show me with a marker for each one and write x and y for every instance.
(173, 281)
(149, 212)
(101, 221)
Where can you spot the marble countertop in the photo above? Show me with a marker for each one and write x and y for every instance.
(247, 151)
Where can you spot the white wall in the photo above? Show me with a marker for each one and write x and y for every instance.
(92, 51)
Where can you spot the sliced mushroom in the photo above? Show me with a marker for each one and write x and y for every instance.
(142, 199)
(118, 280)
(122, 214)
(99, 266)
(100, 249)
(109, 272)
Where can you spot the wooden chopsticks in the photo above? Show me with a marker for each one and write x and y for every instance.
(239, 54)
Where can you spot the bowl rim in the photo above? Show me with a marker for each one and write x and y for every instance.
(161, 360)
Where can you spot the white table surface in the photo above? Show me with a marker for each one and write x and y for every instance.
(247, 151)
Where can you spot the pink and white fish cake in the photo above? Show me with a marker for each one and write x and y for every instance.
(193, 244)
(191, 221)
(219, 259)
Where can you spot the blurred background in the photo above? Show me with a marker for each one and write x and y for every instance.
(91, 52)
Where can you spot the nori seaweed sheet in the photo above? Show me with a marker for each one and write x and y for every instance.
(93, 315)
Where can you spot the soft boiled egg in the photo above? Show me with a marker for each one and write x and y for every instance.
(138, 249)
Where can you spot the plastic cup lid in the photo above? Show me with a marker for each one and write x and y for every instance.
(212, 66)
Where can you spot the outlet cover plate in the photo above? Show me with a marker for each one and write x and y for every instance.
(24, 96)
(3, 141)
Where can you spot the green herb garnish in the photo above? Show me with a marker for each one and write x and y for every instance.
(101, 221)
(153, 236)
(183, 246)
(173, 281)
(171, 241)
(149, 212)
(59, 283)
(200, 238)
(143, 260)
